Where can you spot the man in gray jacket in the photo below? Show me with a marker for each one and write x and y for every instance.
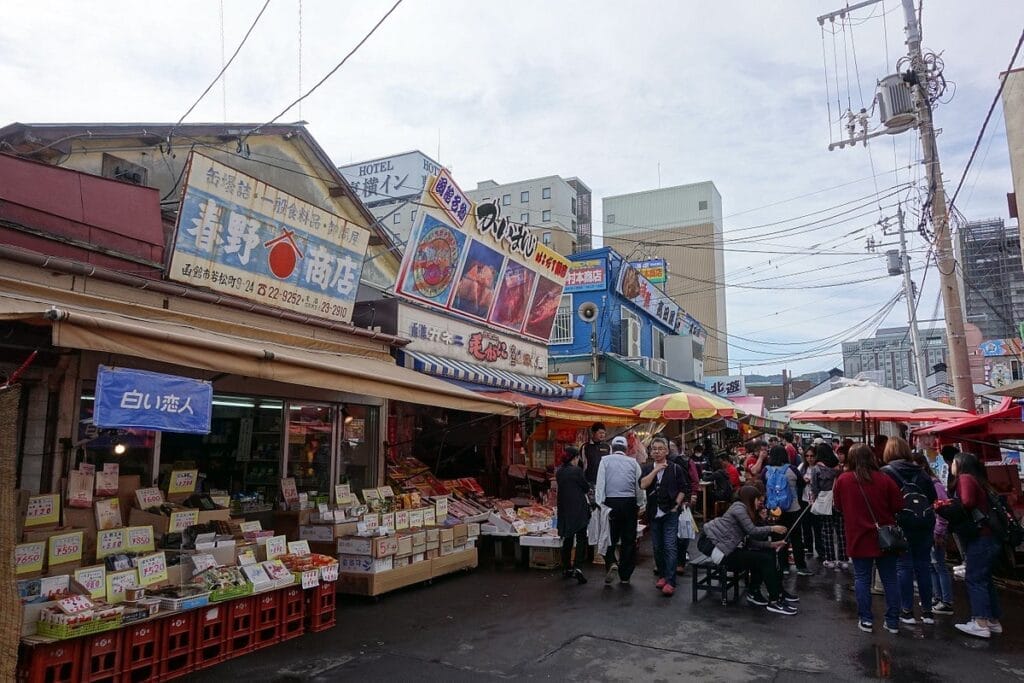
(618, 488)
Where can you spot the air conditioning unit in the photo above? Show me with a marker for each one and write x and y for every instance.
(642, 361)
(895, 105)
(659, 366)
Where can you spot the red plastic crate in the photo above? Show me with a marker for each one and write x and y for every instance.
(140, 658)
(211, 625)
(241, 621)
(101, 656)
(58, 662)
(267, 629)
(320, 607)
(177, 645)
(293, 613)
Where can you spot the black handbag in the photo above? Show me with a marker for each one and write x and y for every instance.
(891, 540)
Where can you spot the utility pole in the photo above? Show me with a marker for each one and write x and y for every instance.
(920, 367)
(952, 303)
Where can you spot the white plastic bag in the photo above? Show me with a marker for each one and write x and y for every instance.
(822, 505)
(687, 527)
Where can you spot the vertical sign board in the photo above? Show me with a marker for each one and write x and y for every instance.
(152, 400)
(242, 237)
(655, 270)
(477, 264)
(643, 294)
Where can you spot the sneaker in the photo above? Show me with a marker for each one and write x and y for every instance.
(804, 571)
(866, 626)
(844, 565)
(892, 628)
(609, 576)
(757, 598)
(972, 628)
(942, 608)
(994, 627)
(624, 582)
(668, 590)
(907, 617)
(780, 607)
(928, 618)
(789, 597)
(829, 564)
(580, 578)
(660, 584)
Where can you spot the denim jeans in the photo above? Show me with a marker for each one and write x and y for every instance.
(916, 563)
(862, 572)
(981, 554)
(664, 538)
(942, 579)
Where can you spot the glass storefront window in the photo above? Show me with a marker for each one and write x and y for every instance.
(357, 464)
(310, 441)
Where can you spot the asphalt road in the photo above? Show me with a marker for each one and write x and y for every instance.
(513, 623)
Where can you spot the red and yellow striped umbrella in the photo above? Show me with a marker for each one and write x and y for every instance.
(685, 405)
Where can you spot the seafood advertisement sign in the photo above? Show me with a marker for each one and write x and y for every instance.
(475, 263)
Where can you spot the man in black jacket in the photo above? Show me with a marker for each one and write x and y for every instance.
(573, 513)
(594, 450)
(668, 488)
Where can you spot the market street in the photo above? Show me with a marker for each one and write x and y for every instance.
(501, 624)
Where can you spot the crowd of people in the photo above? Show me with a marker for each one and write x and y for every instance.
(881, 509)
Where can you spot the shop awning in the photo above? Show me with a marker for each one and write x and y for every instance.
(193, 347)
(751, 405)
(1003, 423)
(572, 410)
(447, 368)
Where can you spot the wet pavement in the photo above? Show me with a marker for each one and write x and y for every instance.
(512, 623)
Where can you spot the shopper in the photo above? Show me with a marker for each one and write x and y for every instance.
(981, 548)
(810, 525)
(864, 495)
(833, 535)
(692, 471)
(783, 499)
(736, 540)
(573, 512)
(594, 450)
(789, 442)
(618, 488)
(668, 490)
(730, 470)
(917, 519)
(757, 456)
(942, 578)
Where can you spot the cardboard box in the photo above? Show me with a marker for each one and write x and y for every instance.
(160, 524)
(287, 522)
(466, 559)
(419, 538)
(127, 485)
(447, 548)
(359, 583)
(461, 533)
(418, 557)
(375, 546)
(432, 554)
(473, 528)
(400, 562)
(404, 548)
(433, 545)
(321, 548)
(433, 535)
(218, 515)
(327, 533)
(364, 564)
(447, 535)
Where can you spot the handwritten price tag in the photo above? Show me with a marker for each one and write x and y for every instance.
(152, 569)
(441, 508)
(43, 510)
(341, 492)
(202, 562)
(183, 481)
(311, 578)
(277, 546)
(66, 548)
(140, 539)
(429, 517)
(119, 582)
(28, 557)
(298, 547)
(221, 501)
(288, 490)
(94, 580)
(183, 520)
(149, 497)
(247, 527)
(110, 542)
(401, 520)
(75, 604)
(329, 573)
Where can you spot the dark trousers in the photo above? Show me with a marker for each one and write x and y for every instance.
(763, 569)
(810, 529)
(622, 532)
(795, 540)
(581, 549)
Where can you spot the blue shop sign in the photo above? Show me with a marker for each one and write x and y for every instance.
(152, 400)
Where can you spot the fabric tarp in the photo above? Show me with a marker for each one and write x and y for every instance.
(1007, 417)
(571, 410)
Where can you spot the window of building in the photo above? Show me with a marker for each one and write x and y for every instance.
(546, 238)
(397, 218)
(545, 215)
(506, 200)
(545, 193)
(657, 343)
(611, 218)
(561, 331)
(524, 218)
(702, 205)
(412, 216)
(573, 206)
(524, 196)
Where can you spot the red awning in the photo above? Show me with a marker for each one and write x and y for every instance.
(1003, 423)
(569, 409)
(751, 405)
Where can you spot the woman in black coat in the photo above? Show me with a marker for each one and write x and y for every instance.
(573, 512)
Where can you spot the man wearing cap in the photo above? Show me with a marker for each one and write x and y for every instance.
(618, 488)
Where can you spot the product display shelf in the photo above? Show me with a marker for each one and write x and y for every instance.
(379, 583)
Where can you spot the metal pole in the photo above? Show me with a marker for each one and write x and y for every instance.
(920, 368)
(952, 302)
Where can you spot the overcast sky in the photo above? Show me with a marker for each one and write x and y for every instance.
(733, 92)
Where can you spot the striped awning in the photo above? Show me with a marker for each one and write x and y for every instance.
(473, 373)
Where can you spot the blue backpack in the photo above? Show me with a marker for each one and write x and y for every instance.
(777, 488)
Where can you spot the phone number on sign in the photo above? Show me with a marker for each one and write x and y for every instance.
(270, 292)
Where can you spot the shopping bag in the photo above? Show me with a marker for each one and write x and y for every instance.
(822, 505)
(687, 527)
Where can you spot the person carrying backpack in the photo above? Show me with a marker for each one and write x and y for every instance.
(917, 519)
(782, 499)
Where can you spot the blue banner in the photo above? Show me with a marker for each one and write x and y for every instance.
(151, 400)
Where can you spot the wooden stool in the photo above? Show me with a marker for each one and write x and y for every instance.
(717, 578)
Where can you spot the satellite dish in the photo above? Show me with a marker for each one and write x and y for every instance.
(587, 311)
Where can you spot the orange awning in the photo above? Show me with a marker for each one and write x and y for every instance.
(569, 409)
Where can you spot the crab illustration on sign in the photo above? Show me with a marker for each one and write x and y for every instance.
(282, 253)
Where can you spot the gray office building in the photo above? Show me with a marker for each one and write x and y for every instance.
(888, 357)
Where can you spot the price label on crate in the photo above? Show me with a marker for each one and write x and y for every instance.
(298, 547)
(387, 520)
(94, 580)
(202, 562)
(183, 519)
(341, 493)
(149, 497)
(28, 557)
(66, 547)
(183, 481)
(288, 490)
(140, 539)
(430, 517)
(75, 604)
(401, 520)
(329, 573)
(277, 546)
(110, 542)
(152, 569)
(441, 508)
(246, 558)
(119, 582)
(311, 578)
(247, 527)
(43, 510)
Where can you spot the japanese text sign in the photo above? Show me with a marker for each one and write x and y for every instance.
(66, 547)
(642, 293)
(94, 580)
(276, 546)
(110, 542)
(298, 548)
(183, 481)
(655, 270)
(182, 520)
(139, 539)
(731, 385)
(585, 276)
(28, 557)
(149, 497)
(119, 582)
(152, 569)
(42, 510)
(240, 236)
(152, 400)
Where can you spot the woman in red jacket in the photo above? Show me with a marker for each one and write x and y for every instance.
(861, 486)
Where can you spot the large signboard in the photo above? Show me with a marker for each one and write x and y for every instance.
(240, 236)
(726, 385)
(448, 337)
(477, 264)
(390, 178)
(152, 400)
(655, 270)
(585, 276)
(642, 292)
